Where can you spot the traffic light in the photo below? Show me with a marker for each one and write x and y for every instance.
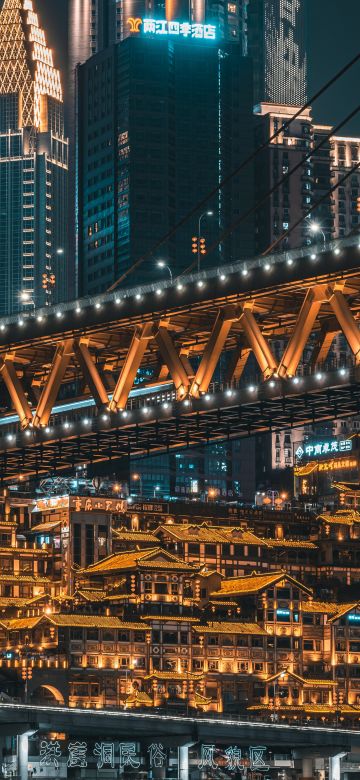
(358, 205)
(194, 245)
(202, 246)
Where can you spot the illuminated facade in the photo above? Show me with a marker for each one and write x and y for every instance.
(197, 617)
(33, 164)
(276, 42)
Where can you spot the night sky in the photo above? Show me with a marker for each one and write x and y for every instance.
(333, 39)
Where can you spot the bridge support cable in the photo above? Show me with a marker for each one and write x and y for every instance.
(258, 343)
(213, 349)
(346, 320)
(91, 373)
(303, 327)
(15, 389)
(131, 366)
(51, 388)
(173, 361)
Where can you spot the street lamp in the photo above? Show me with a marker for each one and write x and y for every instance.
(315, 228)
(156, 490)
(204, 214)
(138, 478)
(162, 264)
(26, 298)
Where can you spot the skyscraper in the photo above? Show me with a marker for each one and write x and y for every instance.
(33, 165)
(276, 43)
(160, 122)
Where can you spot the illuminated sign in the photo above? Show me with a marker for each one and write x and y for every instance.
(172, 29)
(324, 448)
(80, 504)
(328, 465)
(354, 618)
(283, 612)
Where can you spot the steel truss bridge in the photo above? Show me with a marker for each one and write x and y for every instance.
(68, 389)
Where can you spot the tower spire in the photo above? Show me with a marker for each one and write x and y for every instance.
(26, 63)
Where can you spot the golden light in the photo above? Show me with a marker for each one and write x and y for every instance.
(212, 492)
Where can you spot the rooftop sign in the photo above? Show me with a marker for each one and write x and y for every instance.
(172, 29)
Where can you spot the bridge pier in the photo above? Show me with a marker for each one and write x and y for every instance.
(183, 762)
(23, 755)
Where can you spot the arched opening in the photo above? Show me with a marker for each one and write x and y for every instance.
(47, 695)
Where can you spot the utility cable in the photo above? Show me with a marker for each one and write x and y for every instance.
(233, 173)
(311, 209)
(281, 181)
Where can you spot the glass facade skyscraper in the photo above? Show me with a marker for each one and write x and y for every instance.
(160, 123)
(33, 165)
(276, 32)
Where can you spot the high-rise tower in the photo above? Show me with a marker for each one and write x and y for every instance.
(33, 165)
(276, 43)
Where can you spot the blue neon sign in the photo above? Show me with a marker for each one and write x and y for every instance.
(354, 618)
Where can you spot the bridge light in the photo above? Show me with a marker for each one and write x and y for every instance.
(200, 283)
(86, 421)
(251, 389)
(313, 256)
(179, 287)
(27, 433)
(97, 305)
(223, 277)
(159, 292)
(289, 261)
(66, 424)
(207, 397)
(337, 251)
(2, 326)
(296, 380)
(21, 323)
(267, 266)
(117, 301)
(47, 430)
(244, 272)
(342, 372)
(59, 315)
(318, 376)
(229, 393)
(10, 437)
(78, 309)
(138, 297)
(105, 417)
(124, 414)
(165, 405)
(146, 410)
(40, 318)
(186, 402)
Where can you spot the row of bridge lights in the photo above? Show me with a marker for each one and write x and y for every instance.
(179, 286)
(207, 397)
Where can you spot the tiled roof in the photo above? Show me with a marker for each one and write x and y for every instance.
(46, 527)
(18, 603)
(255, 583)
(343, 609)
(174, 676)
(325, 607)
(171, 618)
(154, 558)
(341, 517)
(138, 698)
(93, 621)
(24, 578)
(123, 534)
(23, 551)
(306, 681)
(17, 624)
(204, 532)
(201, 701)
(90, 595)
(225, 603)
(231, 628)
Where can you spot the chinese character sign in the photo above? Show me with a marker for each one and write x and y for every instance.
(233, 759)
(77, 755)
(106, 754)
(50, 753)
(157, 755)
(323, 449)
(173, 29)
(207, 757)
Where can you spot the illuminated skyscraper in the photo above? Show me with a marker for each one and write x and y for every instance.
(33, 164)
(276, 43)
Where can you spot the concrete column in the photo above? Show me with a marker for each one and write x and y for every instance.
(334, 766)
(23, 756)
(307, 768)
(183, 762)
